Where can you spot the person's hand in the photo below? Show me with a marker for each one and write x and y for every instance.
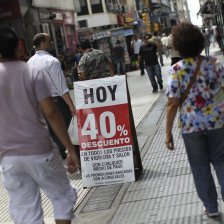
(169, 141)
(72, 109)
(137, 66)
(73, 162)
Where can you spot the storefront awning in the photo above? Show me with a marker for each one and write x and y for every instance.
(206, 8)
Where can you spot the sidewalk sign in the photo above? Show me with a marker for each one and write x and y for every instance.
(105, 131)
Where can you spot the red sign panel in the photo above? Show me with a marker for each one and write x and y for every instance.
(104, 131)
(10, 10)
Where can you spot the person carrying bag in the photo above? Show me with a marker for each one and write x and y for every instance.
(196, 86)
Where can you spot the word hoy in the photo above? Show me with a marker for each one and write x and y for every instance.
(100, 94)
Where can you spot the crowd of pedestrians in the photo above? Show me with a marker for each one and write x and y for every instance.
(35, 117)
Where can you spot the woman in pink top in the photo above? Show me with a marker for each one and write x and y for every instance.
(28, 160)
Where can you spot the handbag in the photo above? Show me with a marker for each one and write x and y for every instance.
(219, 94)
(191, 83)
(73, 131)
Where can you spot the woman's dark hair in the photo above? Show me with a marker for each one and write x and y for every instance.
(38, 38)
(85, 44)
(188, 40)
(8, 42)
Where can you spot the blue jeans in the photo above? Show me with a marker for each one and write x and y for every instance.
(203, 149)
(121, 67)
(154, 70)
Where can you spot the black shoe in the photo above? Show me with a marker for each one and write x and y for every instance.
(142, 73)
(155, 90)
(161, 87)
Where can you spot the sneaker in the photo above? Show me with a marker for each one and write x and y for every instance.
(211, 214)
(161, 87)
(155, 90)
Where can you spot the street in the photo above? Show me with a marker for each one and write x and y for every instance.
(163, 194)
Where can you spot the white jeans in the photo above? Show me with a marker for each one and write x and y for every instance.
(23, 176)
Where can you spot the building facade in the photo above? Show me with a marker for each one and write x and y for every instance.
(54, 17)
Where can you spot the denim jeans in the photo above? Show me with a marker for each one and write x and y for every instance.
(154, 70)
(203, 149)
(121, 67)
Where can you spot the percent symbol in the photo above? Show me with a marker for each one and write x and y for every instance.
(122, 131)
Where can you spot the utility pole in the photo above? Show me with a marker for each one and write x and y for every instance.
(149, 4)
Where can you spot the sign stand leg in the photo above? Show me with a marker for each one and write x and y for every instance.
(136, 153)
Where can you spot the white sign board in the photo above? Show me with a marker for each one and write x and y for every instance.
(104, 131)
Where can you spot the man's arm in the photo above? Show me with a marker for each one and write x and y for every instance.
(56, 122)
(158, 45)
(132, 44)
(58, 78)
(82, 76)
(171, 110)
(139, 60)
(66, 97)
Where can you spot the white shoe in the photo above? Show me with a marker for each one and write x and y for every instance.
(211, 214)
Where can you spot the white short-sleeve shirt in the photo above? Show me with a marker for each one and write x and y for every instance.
(51, 66)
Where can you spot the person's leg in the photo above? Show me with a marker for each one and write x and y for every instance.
(118, 67)
(123, 67)
(25, 199)
(216, 148)
(157, 72)
(166, 51)
(142, 66)
(77, 151)
(50, 174)
(199, 158)
(161, 58)
(66, 114)
(150, 72)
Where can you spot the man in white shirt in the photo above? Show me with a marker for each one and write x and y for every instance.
(136, 44)
(51, 66)
(164, 41)
(174, 54)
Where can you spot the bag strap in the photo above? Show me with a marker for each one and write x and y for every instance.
(191, 83)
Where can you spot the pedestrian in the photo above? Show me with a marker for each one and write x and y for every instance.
(118, 53)
(157, 39)
(213, 34)
(69, 59)
(56, 79)
(207, 42)
(28, 161)
(94, 63)
(174, 54)
(164, 41)
(148, 53)
(196, 84)
(218, 38)
(76, 63)
(136, 44)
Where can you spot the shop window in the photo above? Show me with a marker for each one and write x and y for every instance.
(82, 23)
(84, 8)
(96, 6)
